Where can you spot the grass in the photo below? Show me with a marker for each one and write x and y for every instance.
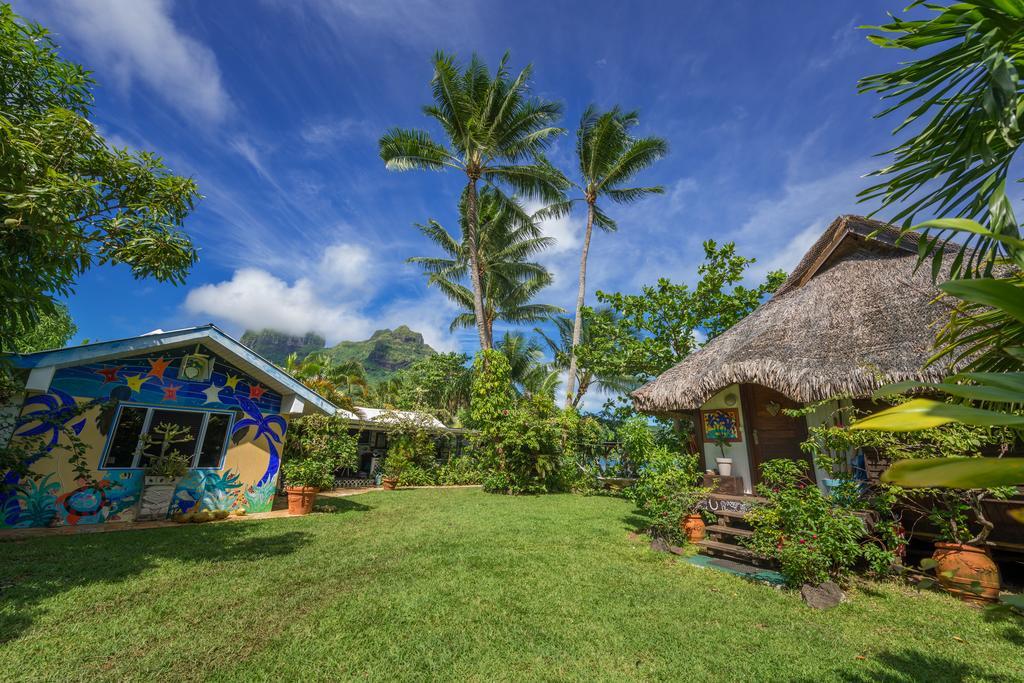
(454, 584)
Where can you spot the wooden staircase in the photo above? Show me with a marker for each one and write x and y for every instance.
(723, 538)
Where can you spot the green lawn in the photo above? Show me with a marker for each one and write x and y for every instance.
(453, 584)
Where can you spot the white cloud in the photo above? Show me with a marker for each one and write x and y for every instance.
(254, 298)
(350, 266)
(679, 191)
(137, 40)
(567, 230)
(330, 132)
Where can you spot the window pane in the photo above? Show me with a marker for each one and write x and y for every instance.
(126, 437)
(213, 442)
(186, 443)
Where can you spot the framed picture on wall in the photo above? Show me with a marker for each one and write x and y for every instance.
(721, 423)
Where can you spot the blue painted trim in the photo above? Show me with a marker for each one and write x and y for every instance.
(102, 465)
(78, 355)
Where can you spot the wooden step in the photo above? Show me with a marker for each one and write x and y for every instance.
(727, 549)
(729, 530)
(734, 514)
(737, 499)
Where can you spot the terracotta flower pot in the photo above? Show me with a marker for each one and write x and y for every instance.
(301, 499)
(693, 527)
(389, 483)
(959, 566)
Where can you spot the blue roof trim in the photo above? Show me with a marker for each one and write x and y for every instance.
(74, 355)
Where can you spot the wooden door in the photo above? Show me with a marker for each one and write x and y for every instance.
(772, 433)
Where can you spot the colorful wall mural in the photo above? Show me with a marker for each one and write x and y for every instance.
(82, 403)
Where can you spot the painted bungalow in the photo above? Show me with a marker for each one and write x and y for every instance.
(107, 396)
(854, 315)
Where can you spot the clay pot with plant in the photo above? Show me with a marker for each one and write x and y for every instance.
(318, 446)
(962, 562)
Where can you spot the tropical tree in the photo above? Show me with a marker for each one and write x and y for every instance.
(495, 133)
(68, 201)
(561, 348)
(508, 280)
(529, 374)
(609, 159)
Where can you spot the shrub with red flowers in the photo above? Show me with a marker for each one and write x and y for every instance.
(812, 539)
(667, 489)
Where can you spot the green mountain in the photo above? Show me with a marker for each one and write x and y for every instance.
(385, 352)
(277, 346)
(382, 355)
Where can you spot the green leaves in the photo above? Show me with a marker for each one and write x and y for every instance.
(924, 413)
(67, 200)
(1006, 295)
(958, 473)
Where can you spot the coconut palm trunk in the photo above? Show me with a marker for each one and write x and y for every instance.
(474, 265)
(577, 327)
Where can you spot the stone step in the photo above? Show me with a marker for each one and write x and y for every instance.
(729, 530)
(728, 549)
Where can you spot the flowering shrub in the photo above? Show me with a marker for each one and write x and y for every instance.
(812, 539)
(667, 489)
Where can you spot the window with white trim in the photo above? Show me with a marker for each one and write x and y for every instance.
(208, 436)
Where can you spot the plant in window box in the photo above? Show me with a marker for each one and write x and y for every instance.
(164, 469)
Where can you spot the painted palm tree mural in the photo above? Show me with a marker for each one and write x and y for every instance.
(271, 429)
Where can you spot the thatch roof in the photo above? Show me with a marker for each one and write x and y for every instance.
(852, 316)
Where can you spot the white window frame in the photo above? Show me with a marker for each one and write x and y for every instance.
(150, 409)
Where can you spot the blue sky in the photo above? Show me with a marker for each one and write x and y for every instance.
(275, 108)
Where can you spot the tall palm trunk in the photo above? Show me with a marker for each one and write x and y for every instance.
(474, 270)
(577, 327)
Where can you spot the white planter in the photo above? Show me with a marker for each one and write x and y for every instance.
(157, 494)
(724, 466)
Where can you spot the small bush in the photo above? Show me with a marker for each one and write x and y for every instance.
(667, 489)
(414, 475)
(812, 539)
(459, 472)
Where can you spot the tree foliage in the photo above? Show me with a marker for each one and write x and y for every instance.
(68, 201)
(52, 330)
(651, 331)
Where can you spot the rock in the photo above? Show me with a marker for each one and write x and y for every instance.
(676, 550)
(825, 596)
(659, 545)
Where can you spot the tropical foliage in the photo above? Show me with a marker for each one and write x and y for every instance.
(509, 282)
(317, 446)
(609, 159)
(495, 133)
(668, 487)
(968, 96)
(69, 201)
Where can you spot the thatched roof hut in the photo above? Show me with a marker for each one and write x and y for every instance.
(855, 314)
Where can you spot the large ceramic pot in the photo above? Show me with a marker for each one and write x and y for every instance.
(693, 527)
(724, 466)
(967, 572)
(389, 483)
(301, 499)
(157, 494)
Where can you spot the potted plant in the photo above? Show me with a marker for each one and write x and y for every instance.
(962, 562)
(319, 445)
(691, 521)
(724, 463)
(163, 471)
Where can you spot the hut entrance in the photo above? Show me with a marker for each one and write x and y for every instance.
(772, 433)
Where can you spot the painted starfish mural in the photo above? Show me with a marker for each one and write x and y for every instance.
(232, 382)
(136, 381)
(265, 427)
(256, 391)
(212, 393)
(171, 392)
(110, 374)
(157, 368)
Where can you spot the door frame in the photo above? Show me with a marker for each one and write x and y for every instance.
(749, 429)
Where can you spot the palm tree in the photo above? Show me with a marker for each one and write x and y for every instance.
(495, 132)
(609, 158)
(508, 281)
(529, 373)
(562, 349)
